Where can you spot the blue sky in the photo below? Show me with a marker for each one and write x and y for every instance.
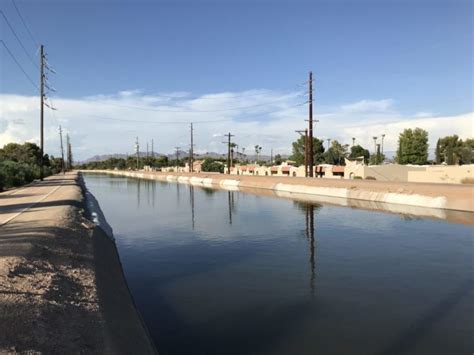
(417, 54)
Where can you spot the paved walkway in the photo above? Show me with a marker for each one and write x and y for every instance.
(16, 202)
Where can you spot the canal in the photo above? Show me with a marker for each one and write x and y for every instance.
(226, 272)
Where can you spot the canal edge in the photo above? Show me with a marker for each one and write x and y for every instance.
(125, 328)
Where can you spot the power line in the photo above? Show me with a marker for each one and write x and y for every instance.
(19, 40)
(192, 111)
(24, 24)
(220, 96)
(19, 65)
(195, 122)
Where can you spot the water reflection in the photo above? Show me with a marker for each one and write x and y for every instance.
(309, 210)
(231, 205)
(191, 200)
(239, 273)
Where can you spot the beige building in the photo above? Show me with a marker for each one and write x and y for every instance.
(357, 169)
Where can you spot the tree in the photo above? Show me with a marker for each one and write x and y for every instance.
(467, 152)
(298, 151)
(358, 151)
(28, 153)
(20, 164)
(413, 147)
(438, 152)
(278, 159)
(453, 150)
(258, 149)
(212, 165)
(336, 153)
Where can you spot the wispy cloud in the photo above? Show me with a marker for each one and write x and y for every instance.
(368, 106)
(109, 123)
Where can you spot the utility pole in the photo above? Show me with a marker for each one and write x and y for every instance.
(310, 128)
(383, 136)
(305, 131)
(228, 151)
(353, 141)
(137, 151)
(177, 157)
(62, 149)
(68, 153)
(271, 156)
(152, 149)
(41, 111)
(191, 152)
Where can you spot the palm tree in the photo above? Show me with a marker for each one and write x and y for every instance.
(258, 149)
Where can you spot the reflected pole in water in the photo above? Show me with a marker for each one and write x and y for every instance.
(177, 191)
(191, 199)
(138, 193)
(147, 188)
(153, 186)
(230, 198)
(310, 236)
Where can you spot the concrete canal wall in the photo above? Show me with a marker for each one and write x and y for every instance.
(434, 196)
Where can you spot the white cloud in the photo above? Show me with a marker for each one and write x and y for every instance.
(368, 106)
(98, 124)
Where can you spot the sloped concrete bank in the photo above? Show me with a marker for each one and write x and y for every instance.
(432, 196)
(125, 330)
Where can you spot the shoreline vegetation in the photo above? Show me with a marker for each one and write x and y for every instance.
(20, 164)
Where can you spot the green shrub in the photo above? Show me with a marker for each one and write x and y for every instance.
(15, 174)
(211, 165)
(357, 177)
(370, 178)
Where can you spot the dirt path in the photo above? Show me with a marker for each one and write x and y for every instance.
(51, 297)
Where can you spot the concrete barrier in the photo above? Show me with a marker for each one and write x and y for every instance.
(434, 196)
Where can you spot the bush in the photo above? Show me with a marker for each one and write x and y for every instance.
(15, 174)
(370, 178)
(357, 177)
(211, 165)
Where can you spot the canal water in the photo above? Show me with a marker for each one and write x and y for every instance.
(222, 272)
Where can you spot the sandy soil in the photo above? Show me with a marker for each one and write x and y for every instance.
(51, 297)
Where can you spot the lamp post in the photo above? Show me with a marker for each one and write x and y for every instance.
(383, 136)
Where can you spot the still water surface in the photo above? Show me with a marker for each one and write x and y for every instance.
(220, 272)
